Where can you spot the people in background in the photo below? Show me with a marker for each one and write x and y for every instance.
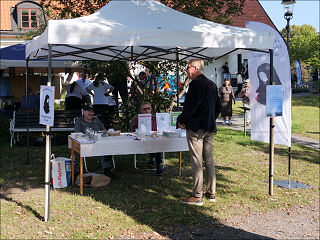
(89, 120)
(74, 96)
(245, 95)
(315, 78)
(33, 100)
(244, 71)
(201, 108)
(225, 71)
(145, 108)
(239, 84)
(84, 82)
(226, 96)
(102, 91)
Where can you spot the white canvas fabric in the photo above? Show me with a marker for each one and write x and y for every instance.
(140, 29)
(259, 71)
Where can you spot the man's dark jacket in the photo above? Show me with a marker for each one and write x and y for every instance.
(202, 106)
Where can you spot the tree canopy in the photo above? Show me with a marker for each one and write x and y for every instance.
(304, 44)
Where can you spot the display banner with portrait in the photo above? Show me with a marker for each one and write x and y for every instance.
(259, 75)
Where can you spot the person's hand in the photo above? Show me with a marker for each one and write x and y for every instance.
(182, 126)
(107, 94)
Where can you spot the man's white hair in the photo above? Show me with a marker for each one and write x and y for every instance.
(197, 63)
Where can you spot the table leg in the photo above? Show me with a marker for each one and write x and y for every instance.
(81, 176)
(72, 166)
(245, 123)
(180, 158)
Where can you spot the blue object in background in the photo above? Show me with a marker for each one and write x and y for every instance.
(5, 87)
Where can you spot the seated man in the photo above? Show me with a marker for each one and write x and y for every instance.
(88, 120)
(33, 100)
(146, 109)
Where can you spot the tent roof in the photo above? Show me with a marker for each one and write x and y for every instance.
(15, 57)
(145, 31)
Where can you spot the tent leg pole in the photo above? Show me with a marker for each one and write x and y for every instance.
(27, 105)
(178, 79)
(271, 160)
(48, 146)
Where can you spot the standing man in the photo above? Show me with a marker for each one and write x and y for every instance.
(201, 108)
(225, 71)
(84, 82)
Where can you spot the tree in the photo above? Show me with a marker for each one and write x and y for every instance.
(304, 44)
(219, 11)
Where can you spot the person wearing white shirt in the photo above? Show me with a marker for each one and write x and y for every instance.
(74, 96)
(84, 82)
(101, 94)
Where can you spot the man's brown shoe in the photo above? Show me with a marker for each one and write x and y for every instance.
(210, 197)
(191, 200)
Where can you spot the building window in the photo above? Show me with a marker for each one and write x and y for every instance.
(29, 18)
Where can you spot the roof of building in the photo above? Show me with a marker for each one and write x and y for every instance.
(252, 12)
(5, 14)
(5, 18)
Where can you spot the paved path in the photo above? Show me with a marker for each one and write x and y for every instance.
(238, 124)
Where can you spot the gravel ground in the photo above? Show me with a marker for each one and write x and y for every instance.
(299, 222)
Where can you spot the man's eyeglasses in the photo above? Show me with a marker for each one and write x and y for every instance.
(189, 67)
(147, 108)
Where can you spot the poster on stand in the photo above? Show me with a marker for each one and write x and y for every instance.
(144, 123)
(47, 105)
(163, 122)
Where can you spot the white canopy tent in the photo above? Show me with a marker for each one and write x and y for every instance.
(144, 30)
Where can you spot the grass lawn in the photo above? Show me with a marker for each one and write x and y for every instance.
(140, 201)
(306, 116)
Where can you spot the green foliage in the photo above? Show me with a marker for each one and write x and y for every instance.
(304, 44)
(219, 11)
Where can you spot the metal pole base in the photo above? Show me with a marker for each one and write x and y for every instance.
(293, 184)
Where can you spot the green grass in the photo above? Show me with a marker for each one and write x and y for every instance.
(140, 201)
(305, 116)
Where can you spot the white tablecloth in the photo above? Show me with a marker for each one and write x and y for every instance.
(125, 145)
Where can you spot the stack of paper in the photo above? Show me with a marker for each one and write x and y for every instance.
(171, 134)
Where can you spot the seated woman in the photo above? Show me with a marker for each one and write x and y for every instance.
(74, 96)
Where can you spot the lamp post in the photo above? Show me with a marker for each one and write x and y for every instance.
(288, 15)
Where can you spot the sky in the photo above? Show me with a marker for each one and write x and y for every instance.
(304, 12)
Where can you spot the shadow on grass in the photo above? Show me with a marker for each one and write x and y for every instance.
(26, 207)
(297, 151)
(149, 200)
(306, 101)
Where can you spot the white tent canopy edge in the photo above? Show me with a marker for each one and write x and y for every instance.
(144, 31)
